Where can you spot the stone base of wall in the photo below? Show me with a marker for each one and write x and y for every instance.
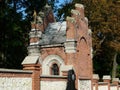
(107, 84)
(53, 83)
(84, 84)
(15, 79)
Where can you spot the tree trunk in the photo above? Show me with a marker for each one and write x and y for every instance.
(15, 6)
(114, 70)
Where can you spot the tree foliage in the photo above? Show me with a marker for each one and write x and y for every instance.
(104, 21)
(15, 17)
(13, 35)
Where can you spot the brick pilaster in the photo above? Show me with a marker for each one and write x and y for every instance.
(35, 76)
(107, 79)
(95, 80)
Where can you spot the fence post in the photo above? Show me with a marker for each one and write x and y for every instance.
(115, 83)
(95, 82)
(107, 78)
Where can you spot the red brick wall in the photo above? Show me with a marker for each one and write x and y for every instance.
(53, 51)
(81, 59)
(35, 75)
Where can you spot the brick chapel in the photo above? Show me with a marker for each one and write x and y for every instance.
(55, 48)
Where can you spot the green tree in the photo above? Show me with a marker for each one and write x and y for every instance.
(15, 29)
(108, 32)
(12, 46)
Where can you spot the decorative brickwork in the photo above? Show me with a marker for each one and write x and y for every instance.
(66, 44)
(59, 56)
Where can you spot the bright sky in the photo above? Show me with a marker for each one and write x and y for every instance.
(58, 4)
(63, 1)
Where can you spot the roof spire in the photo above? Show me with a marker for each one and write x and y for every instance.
(34, 16)
(46, 1)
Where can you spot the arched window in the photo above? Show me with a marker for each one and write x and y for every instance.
(55, 69)
(48, 64)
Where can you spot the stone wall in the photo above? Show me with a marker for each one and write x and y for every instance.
(84, 84)
(15, 79)
(106, 84)
(53, 85)
(53, 82)
(14, 83)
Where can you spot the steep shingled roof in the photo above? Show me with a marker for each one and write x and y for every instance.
(55, 33)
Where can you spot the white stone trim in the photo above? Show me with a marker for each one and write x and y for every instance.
(33, 50)
(71, 19)
(35, 43)
(48, 61)
(86, 20)
(76, 12)
(52, 45)
(14, 71)
(30, 60)
(96, 76)
(90, 32)
(115, 79)
(107, 77)
(35, 33)
(33, 29)
(70, 46)
(79, 5)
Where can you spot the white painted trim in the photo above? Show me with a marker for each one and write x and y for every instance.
(30, 60)
(48, 61)
(33, 29)
(79, 5)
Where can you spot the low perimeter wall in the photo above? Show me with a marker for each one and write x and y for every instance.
(15, 79)
(31, 80)
(53, 83)
(107, 84)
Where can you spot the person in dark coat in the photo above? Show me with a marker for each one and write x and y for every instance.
(71, 80)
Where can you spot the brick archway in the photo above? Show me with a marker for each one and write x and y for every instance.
(48, 61)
